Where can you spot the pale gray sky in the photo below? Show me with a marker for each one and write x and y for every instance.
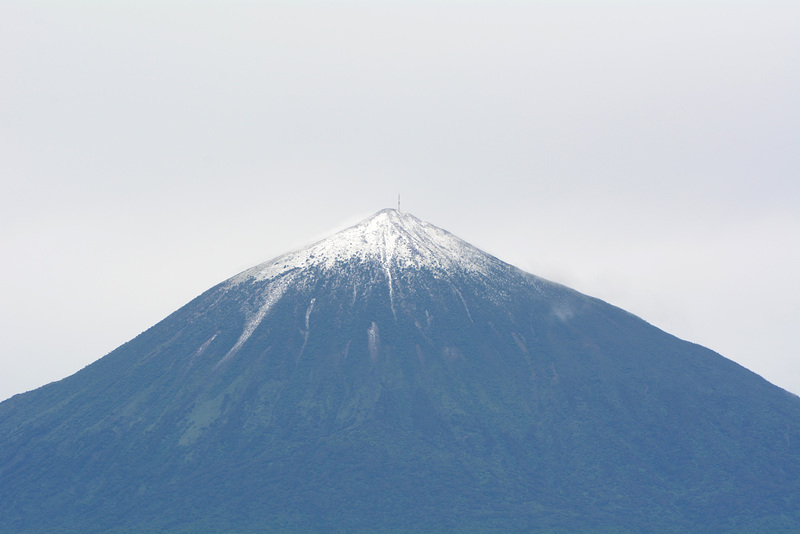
(644, 153)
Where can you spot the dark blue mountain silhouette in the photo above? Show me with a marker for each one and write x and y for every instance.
(393, 378)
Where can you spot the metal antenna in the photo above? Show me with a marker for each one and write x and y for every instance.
(398, 201)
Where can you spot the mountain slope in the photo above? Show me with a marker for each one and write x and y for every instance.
(395, 378)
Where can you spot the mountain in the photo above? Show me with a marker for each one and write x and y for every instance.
(393, 378)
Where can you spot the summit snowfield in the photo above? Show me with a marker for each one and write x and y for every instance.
(393, 239)
(395, 378)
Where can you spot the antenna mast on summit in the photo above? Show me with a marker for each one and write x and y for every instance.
(398, 201)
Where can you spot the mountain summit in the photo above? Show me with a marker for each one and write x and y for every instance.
(390, 249)
(392, 238)
(394, 378)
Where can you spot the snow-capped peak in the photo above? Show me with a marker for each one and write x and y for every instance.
(395, 239)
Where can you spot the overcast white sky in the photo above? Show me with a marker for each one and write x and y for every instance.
(644, 153)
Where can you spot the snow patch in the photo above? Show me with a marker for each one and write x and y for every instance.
(308, 314)
(271, 294)
(373, 341)
(306, 331)
(204, 346)
(464, 302)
